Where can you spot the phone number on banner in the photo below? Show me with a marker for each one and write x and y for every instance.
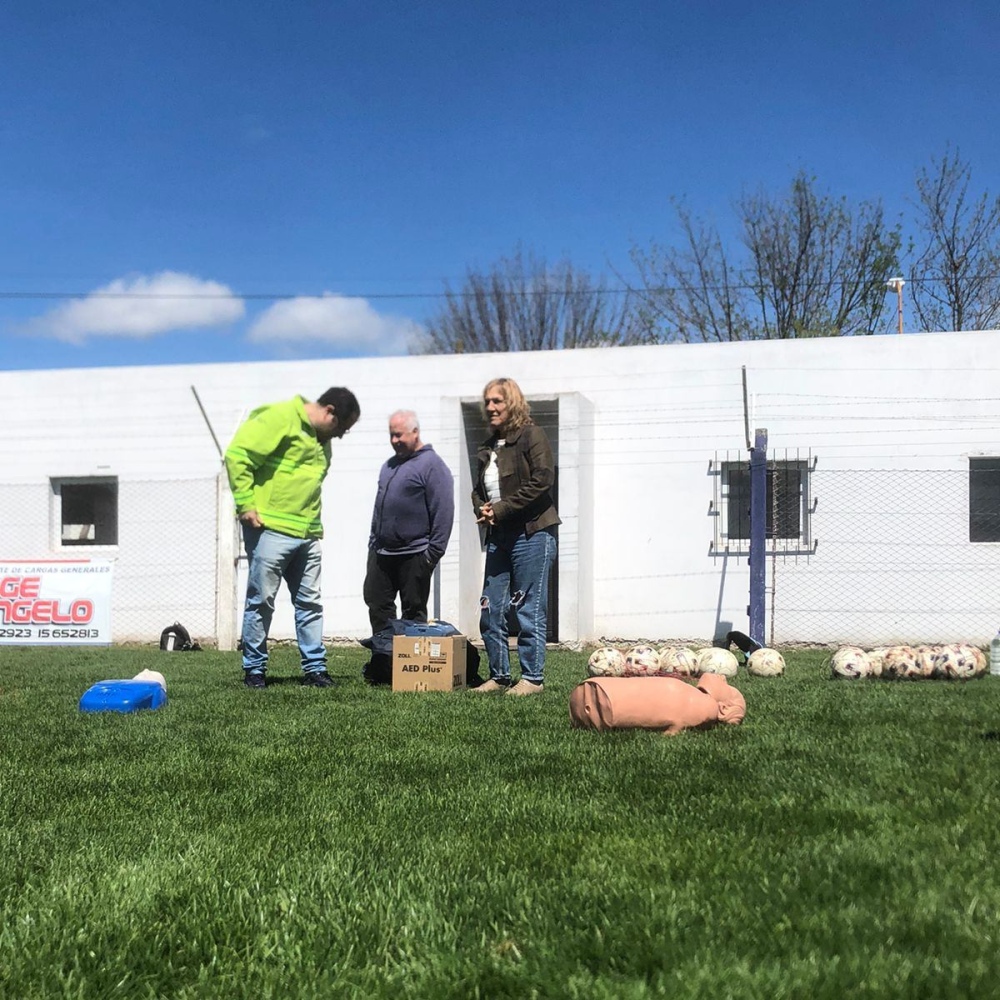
(36, 632)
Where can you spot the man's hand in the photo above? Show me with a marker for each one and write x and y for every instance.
(250, 519)
(486, 514)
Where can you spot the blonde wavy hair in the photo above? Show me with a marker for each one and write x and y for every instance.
(518, 408)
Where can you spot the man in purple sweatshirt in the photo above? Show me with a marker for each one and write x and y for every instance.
(411, 525)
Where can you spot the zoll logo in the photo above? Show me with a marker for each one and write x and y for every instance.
(20, 604)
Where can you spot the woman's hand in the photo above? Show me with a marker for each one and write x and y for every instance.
(486, 514)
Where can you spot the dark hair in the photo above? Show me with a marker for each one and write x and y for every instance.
(344, 403)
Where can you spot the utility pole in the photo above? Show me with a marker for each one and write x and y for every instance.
(896, 285)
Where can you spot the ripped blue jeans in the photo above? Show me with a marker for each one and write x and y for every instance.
(517, 576)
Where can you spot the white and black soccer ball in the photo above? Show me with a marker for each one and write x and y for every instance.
(642, 661)
(955, 662)
(606, 662)
(677, 660)
(766, 662)
(901, 662)
(876, 660)
(713, 660)
(925, 661)
(982, 662)
(850, 662)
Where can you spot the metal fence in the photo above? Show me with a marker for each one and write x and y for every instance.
(165, 559)
(864, 556)
(886, 557)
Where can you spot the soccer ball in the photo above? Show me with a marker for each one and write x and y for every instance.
(766, 663)
(982, 664)
(956, 662)
(901, 661)
(606, 662)
(713, 660)
(641, 661)
(925, 661)
(677, 660)
(850, 662)
(876, 659)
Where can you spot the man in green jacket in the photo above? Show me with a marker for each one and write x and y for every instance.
(277, 462)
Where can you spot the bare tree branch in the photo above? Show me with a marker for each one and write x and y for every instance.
(524, 304)
(812, 267)
(818, 269)
(956, 275)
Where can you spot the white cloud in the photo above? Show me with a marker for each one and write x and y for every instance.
(335, 321)
(140, 307)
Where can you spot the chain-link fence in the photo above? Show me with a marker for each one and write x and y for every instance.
(165, 550)
(864, 556)
(883, 556)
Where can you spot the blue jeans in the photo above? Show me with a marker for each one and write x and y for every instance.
(519, 566)
(275, 557)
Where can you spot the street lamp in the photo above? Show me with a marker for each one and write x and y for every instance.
(896, 285)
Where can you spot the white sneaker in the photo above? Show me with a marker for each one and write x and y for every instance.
(523, 687)
(489, 687)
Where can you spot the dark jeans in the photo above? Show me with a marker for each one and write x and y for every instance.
(387, 576)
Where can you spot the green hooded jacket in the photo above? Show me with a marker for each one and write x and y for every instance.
(276, 466)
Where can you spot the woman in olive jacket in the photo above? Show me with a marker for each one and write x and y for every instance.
(513, 498)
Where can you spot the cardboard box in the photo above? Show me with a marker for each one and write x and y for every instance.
(429, 662)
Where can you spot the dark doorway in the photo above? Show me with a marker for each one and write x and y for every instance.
(545, 413)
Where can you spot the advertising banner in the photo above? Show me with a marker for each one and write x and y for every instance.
(55, 602)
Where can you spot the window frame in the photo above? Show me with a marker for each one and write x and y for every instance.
(799, 517)
(980, 515)
(106, 535)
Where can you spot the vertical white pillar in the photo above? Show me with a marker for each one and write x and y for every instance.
(576, 511)
(227, 554)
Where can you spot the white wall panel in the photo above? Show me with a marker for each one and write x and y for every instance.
(638, 427)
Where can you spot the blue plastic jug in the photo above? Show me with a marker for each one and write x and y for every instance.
(122, 696)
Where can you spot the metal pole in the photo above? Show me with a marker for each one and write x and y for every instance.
(746, 411)
(896, 284)
(758, 535)
(208, 423)
(774, 547)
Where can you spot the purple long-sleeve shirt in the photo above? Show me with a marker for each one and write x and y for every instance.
(414, 506)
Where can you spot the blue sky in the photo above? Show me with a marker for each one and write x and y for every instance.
(301, 179)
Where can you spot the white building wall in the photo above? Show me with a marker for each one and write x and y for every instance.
(638, 430)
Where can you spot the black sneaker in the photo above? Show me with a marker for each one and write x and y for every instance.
(318, 679)
(255, 681)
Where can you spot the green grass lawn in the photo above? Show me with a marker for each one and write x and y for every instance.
(298, 842)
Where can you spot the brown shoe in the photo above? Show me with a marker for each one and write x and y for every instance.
(523, 687)
(489, 687)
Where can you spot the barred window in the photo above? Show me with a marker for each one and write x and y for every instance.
(787, 512)
(86, 511)
(984, 499)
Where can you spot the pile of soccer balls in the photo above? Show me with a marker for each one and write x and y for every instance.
(954, 662)
(646, 661)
